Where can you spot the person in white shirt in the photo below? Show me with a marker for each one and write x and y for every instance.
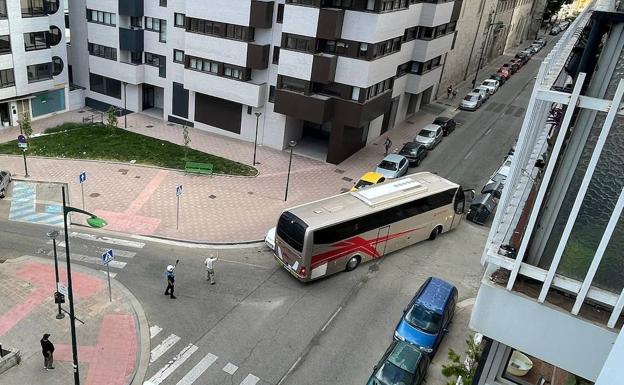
(210, 268)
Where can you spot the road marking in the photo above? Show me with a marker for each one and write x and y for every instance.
(89, 259)
(154, 330)
(172, 365)
(468, 155)
(331, 319)
(230, 368)
(163, 347)
(100, 250)
(112, 275)
(198, 369)
(488, 131)
(250, 380)
(290, 370)
(190, 245)
(113, 241)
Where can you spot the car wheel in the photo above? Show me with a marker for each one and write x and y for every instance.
(352, 263)
(435, 232)
(417, 163)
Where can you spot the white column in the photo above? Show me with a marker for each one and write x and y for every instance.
(613, 370)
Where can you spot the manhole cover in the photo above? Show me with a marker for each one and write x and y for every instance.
(250, 192)
(94, 195)
(123, 171)
(149, 126)
(347, 179)
(170, 124)
(212, 196)
(339, 171)
(137, 177)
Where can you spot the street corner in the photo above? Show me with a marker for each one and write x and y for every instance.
(34, 202)
(129, 223)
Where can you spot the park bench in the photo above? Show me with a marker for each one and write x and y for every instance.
(200, 168)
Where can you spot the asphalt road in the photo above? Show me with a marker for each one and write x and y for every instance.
(279, 331)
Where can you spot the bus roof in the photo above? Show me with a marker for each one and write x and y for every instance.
(342, 207)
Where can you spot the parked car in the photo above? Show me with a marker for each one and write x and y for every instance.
(504, 72)
(541, 41)
(426, 319)
(555, 30)
(564, 25)
(491, 85)
(5, 180)
(518, 62)
(509, 68)
(522, 56)
(481, 208)
(501, 80)
(430, 136)
(393, 166)
(401, 364)
(414, 152)
(368, 179)
(536, 47)
(447, 124)
(269, 239)
(471, 102)
(514, 65)
(502, 173)
(484, 92)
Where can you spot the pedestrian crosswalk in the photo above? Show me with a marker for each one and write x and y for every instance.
(24, 206)
(167, 375)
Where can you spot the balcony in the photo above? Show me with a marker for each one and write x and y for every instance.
(436, 13)
(330, 23)
(131, 39)
(353, 114)
(247, 93)
(425, 50)
(131, 8)
(312, 108)
(126, 72)
(261, 14)
(418, 83)
(258, 56)
(324, 68)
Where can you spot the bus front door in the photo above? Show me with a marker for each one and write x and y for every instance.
(382, 240)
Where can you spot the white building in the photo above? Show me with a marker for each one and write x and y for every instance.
(330, 74)
(33, 60)
(550, 302)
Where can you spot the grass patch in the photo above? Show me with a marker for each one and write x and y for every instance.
(96, 141)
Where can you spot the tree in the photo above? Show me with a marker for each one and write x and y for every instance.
(467, 369)
(553, 7)
(25, 125)
(111, 118)
(187, 141)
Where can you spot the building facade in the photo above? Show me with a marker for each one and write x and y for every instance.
(332, 74)
(33, 60)
(551, 300)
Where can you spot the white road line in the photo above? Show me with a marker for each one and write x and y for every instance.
(198, 370)
(163, 347)
(289, 370)
(89, 259)
(154, 330)
(250, 380)
(488, 131)
(101, 250)
(230, 368)
(113, 275)
(331, 319)
(468, 155)
(172, 365)
(112, 241)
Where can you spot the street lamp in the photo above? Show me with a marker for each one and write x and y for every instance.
(292, 145)
(52, 234)
(258, 113)
(95, 222)
(484, 48)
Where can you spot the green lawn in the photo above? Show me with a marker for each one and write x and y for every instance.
(96, 141)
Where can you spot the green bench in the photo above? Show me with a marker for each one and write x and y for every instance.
(200, 168)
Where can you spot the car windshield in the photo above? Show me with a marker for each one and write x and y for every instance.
(424, 319)
(363, 183)
(390, 374)
(499, 177)
(477, 90)
(426, 134)
(470, 98)
(409, 149)
(440, 121)
(387, 165)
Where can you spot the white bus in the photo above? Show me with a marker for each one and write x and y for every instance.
(340, 232)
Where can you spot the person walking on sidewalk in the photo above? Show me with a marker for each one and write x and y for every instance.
(170, 281)
(47, 348)
(449, 91)
(210, 274)
(454, 93)
(387, 145)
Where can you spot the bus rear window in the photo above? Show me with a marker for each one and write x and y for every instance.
(292, 230)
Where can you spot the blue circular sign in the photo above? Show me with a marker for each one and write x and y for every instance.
(21, 139)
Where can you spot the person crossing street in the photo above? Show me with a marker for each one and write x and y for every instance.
(210, 274)
(170, 276)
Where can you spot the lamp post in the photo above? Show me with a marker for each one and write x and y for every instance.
(484, 48)
(125, 106)
(258, 113)
(292, 145)
(94, 222)
(52, 234)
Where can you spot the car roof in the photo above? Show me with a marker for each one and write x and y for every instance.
(394, 158)
(472, 94)
(442, 119)
(435, 294)
(372, 176)
(413, 144)
(431, 127)
(405, 356)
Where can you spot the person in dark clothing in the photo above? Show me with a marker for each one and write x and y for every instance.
(47, 348)
(170, 281)
(387, 145)
(449, 91)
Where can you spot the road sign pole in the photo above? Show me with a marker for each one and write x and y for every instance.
(110, 296)
(25, 165)
(177, 212)
(82, 191)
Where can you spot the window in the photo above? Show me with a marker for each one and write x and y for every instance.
(57, 65)
(102, 51)
(153, 59)
(293, 84)
(276, 52)
(163, 3)
(298, 43)
(280, 13)
(5, 44)
(355, 93)
(136, 22)
(157, 25)
(55, 35)
(32, 8)
(39, 72)
(292, 230)
(3, 9)
(235, 72)
(101, 17)
(271, 94)
(36, 40)
(7, 79)
(178, 56)
(104, 85)
(179, 20)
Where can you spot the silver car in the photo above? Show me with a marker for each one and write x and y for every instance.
(430, 136)
(5, 179)
(393, 166)
(471, 102)
(483, 91)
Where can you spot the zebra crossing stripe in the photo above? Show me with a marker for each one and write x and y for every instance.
(154, 330)
(100, 250)
(250, 380)
(230, 368)
(163, 347)
(112, 275)
(198, 370)
(113, 241)
(89, 259)
(172, 365)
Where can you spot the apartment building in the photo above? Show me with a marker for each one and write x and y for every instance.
(33, 69)
(330, 74)
(550, 302)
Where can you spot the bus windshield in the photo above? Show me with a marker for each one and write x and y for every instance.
(292, 230)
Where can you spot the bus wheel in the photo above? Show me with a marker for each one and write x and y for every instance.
(352, 263)
(434, 233)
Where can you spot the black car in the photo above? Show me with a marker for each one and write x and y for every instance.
(501, 80)
(401, 364)
(414, 152)
(523, 56)
(447, 124)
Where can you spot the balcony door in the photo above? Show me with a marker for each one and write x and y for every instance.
(148, 96)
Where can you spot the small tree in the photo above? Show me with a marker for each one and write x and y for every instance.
(111, 118)
(467, 369)
(187, 141)
(25, 125)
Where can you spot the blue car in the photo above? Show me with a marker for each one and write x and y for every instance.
(426, 319)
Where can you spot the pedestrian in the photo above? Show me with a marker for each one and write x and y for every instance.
(454, 93)
(449, 91)
(387, 144)
(169, 274)
(47, 348)
(210, 274)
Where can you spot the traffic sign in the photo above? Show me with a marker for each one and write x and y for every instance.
(107, 256)
(82, 177)
(62, 289)
(21, 139)
(179, 190)
(22, 145)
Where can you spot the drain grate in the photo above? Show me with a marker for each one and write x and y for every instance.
(170, 124)
(137, 177)
(149, 126)
(347, 179)
(123, 171)
(339, 171)
(212, 196)
(250, 192)
(94, 195)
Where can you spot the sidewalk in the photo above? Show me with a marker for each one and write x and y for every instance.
(113, 342)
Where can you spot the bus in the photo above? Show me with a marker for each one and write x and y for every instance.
(338, 233)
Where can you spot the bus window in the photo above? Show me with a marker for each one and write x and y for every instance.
(292, 230)
(460, 201)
